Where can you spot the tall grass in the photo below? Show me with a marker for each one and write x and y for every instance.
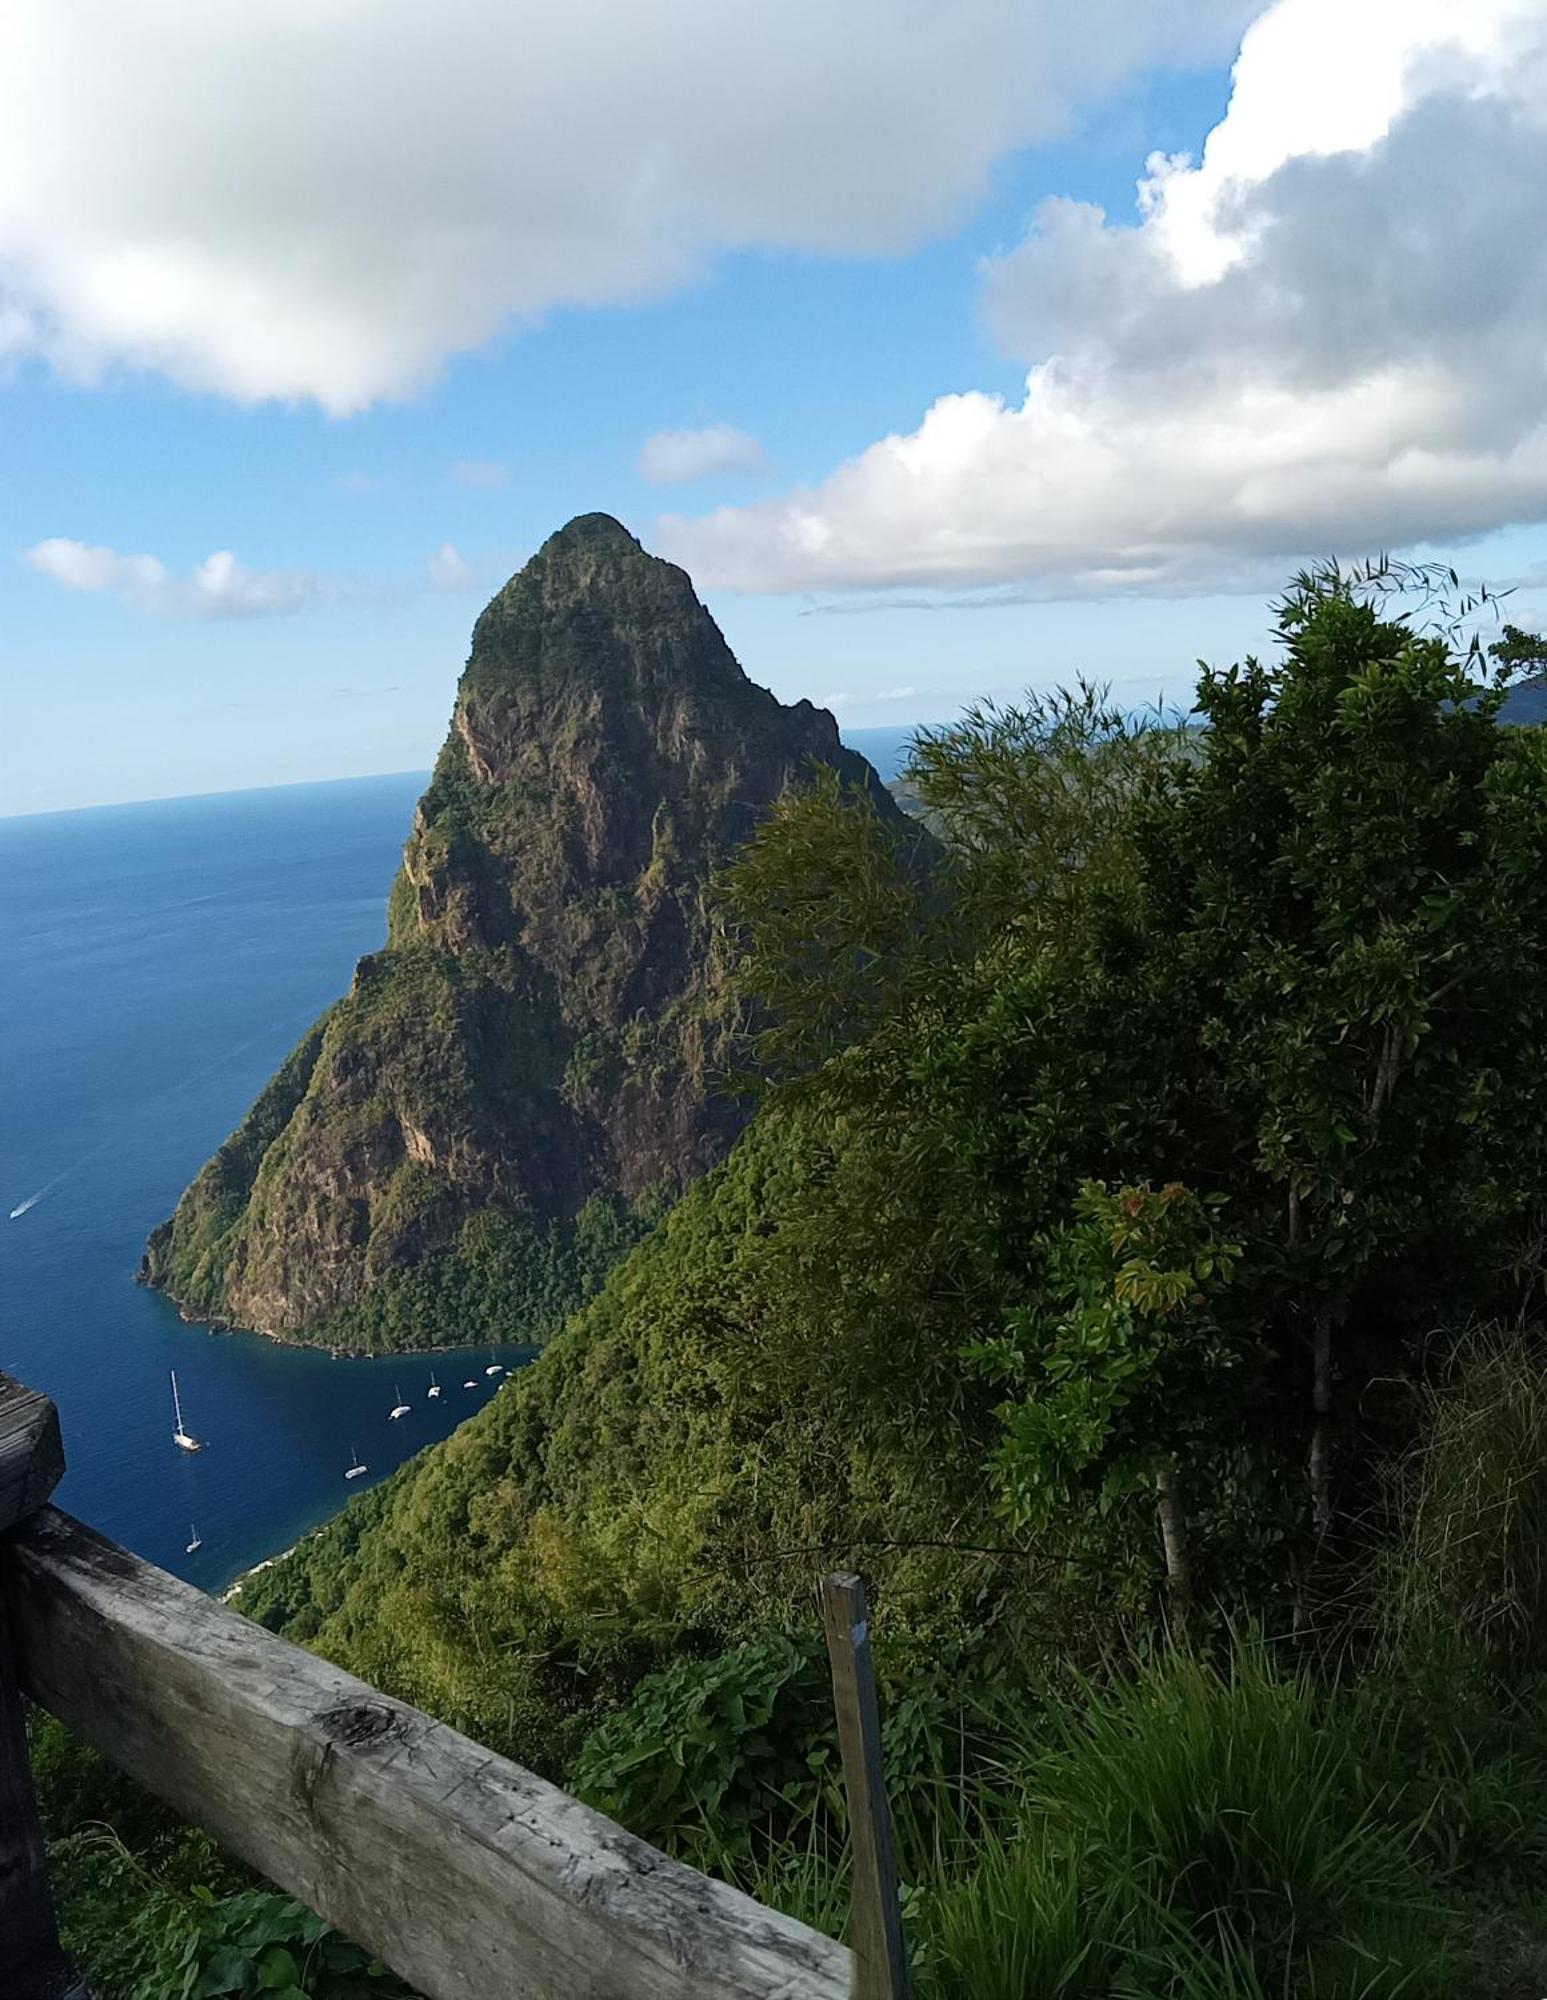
(1185, 1824)
(1469, 1575)
(1179, 1832)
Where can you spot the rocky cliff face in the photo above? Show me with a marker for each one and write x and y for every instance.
(512, 1088)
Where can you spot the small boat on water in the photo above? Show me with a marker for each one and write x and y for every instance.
(494, 1367)
(193, 1541)
(181, 1436)
(355, 1467)
(399, 1408)
(471, 1385)
(434, 1388)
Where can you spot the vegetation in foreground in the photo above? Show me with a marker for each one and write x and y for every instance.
(1101, 1276)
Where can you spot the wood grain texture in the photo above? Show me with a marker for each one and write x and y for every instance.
(31, 1455)
(471, 1877)
(875, 1922)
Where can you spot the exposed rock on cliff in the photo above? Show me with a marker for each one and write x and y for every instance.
(512, 1089)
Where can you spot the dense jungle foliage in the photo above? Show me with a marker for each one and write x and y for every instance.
(1133, 1269)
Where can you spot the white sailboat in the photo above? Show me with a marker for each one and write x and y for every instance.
(355, 1468)
(193, 1540)
(180, 1436)
(434, 1389)
(399, 1407)
(494, 1367)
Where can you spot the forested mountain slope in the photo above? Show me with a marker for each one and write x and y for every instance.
(528, 1073)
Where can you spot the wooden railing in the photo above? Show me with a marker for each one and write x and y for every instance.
(471, 1877)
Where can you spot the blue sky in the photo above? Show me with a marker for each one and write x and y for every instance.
(369, 535)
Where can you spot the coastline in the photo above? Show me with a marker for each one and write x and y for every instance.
(214, 1324)
(233, 1589)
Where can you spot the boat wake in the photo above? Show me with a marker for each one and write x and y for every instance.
(184, 1083)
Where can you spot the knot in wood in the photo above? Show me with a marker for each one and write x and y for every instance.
(355, 1723)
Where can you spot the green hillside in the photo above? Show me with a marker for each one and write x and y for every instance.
(1103, 1274)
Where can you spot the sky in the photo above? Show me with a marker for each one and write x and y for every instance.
(952, 350)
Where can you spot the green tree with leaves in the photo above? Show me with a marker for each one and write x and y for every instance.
(1297, 956)
(1517, 651)
(1121, 1369)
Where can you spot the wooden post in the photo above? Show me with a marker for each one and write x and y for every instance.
(32, 1965)
(875, 1922)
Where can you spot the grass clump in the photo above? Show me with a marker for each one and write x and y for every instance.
(1469, 1573)
(1186, 1823)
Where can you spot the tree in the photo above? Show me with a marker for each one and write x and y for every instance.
(1519, 652)
(1122, 1365)
(1297, 956)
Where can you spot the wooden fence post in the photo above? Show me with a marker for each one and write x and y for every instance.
(875, 1922)
(32, 1965)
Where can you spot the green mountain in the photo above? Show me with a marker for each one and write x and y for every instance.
(516, 1087)
(671, 1473)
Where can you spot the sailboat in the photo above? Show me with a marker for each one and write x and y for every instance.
(494, 1367)
(355, 1468)
(193, 1541)
(399, 1407)
(434, 1388)
(180, 1436)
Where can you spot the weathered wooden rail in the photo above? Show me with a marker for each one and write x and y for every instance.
(471, 1877)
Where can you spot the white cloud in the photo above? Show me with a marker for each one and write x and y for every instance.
(1327, 335)
(220, 587)
(480, 472)
(673, 458)
(449, 569)
(326, 198)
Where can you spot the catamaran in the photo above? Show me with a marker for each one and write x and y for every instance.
(399, 1407)
(434, 1388)
(355, 1468)
(194, 1542)
(180, 1436)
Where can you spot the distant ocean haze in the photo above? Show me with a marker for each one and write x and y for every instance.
(160, 961)
(887, 749)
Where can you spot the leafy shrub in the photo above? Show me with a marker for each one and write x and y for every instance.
(708, 1750)
(151, 1909)
(141, 1935)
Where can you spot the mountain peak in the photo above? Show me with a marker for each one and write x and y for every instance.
(591, 531)
(547, 1028)
(593, 613)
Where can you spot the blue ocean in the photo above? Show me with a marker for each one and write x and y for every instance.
(159, 961)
